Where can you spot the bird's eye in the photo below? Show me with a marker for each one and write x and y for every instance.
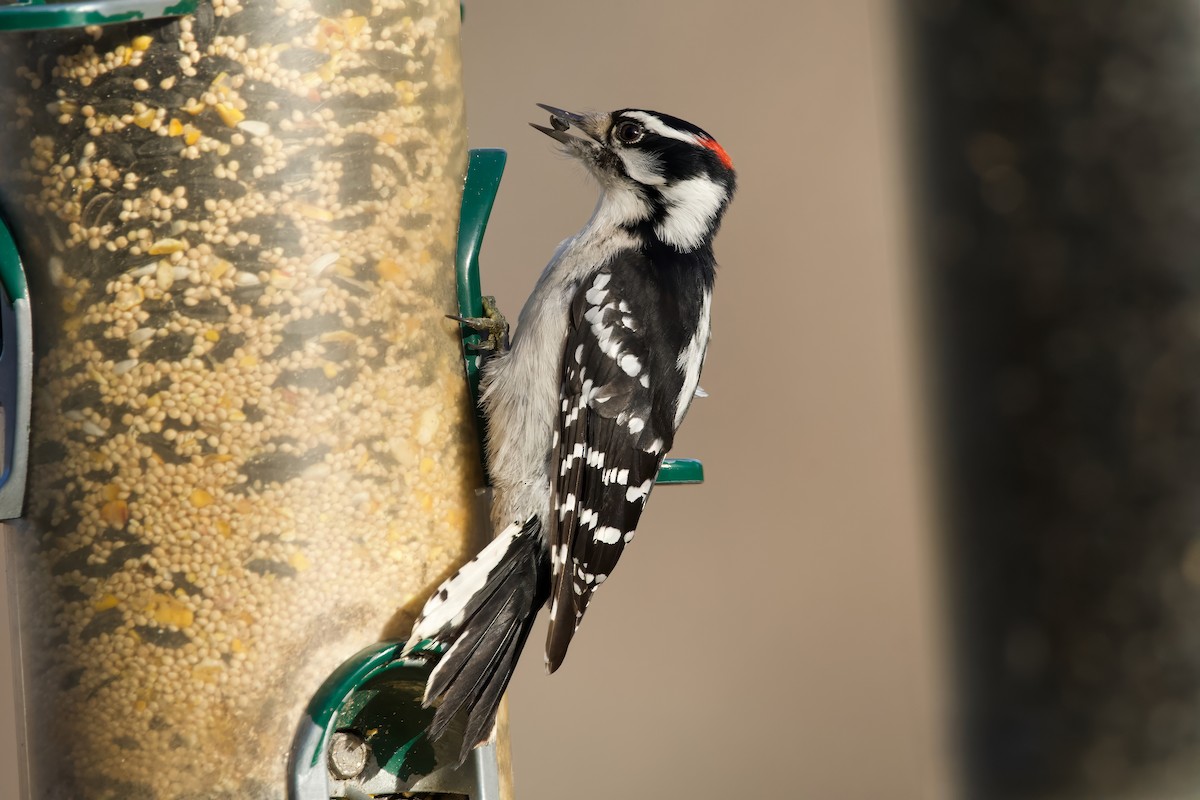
(630, 132)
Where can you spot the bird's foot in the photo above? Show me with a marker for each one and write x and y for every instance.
(492, 325)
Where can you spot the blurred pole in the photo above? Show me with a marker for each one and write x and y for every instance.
(1059, 206)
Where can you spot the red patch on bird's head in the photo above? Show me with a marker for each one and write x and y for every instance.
(711, 144)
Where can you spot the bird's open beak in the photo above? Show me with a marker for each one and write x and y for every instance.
(562, 121)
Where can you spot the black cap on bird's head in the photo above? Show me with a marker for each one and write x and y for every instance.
(681, 178)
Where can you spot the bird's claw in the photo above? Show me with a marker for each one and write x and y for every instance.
(492, 325)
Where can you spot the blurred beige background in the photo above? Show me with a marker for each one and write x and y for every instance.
(772, 633)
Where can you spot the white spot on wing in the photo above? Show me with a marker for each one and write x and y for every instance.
(638, 493)
(606, 534)
(596, 295)
(576, 453)
(567, 506)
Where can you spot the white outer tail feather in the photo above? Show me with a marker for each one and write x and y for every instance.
(445, 608)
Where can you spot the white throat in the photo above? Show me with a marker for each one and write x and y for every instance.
(620, 204)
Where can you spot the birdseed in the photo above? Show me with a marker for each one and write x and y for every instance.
(251, 438)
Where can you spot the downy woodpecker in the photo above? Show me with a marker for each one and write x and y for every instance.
(583, 407)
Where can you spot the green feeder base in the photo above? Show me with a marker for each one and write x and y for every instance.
(364, 735)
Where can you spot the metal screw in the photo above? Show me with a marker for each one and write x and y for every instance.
(348, 755)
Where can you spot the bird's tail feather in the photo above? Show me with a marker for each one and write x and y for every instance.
(482, 616)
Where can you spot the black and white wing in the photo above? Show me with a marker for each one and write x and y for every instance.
(617, 421)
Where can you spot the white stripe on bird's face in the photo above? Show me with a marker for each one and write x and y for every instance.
(642, 166)
(657, 126)
(692, 205)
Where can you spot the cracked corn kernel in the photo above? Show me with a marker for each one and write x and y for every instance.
(166, 246)
(389, 270)
(115, 513)
(106, 602)
(229, 115)
(170, 611)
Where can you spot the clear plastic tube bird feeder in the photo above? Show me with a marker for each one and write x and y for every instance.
(251, 438)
